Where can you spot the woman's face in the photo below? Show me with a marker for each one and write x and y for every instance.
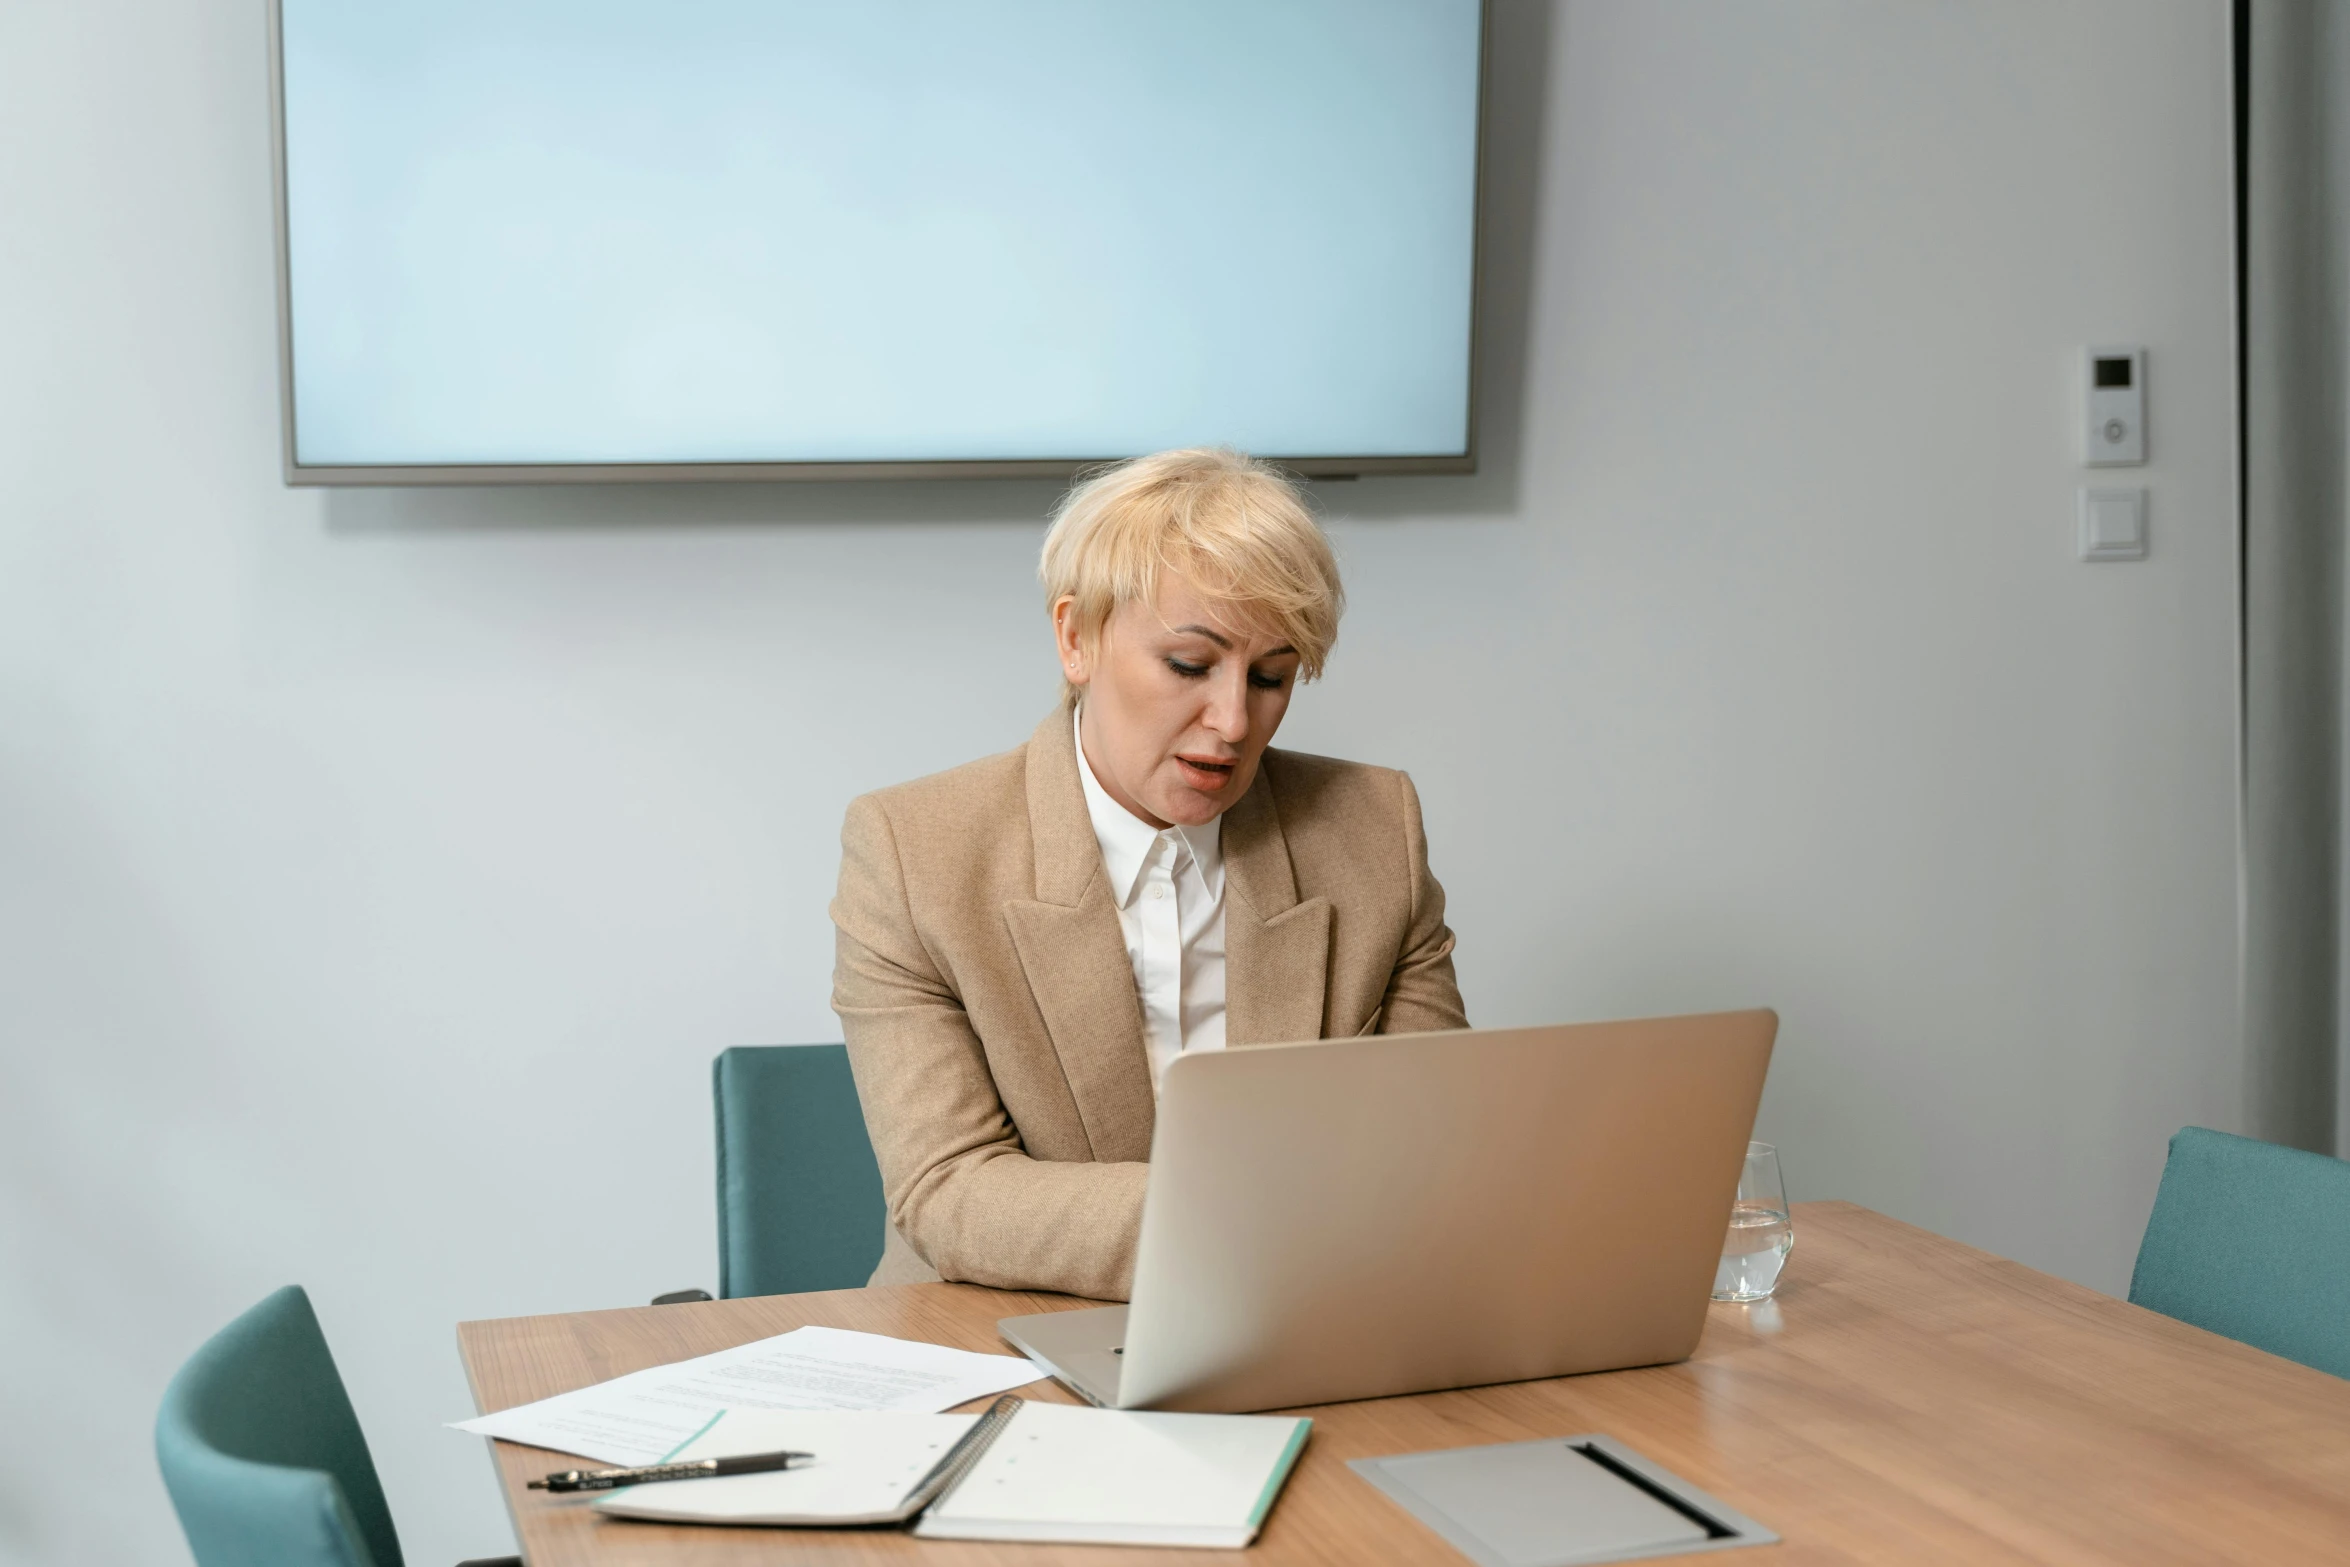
(1179, 703)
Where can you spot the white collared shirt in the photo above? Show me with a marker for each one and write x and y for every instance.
(1169, 888)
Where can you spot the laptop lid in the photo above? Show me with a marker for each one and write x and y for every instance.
(1364, 1217)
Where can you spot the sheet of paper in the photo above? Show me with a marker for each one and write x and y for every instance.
(645, 1416)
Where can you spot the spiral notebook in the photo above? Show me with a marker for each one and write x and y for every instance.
(1051, 1473)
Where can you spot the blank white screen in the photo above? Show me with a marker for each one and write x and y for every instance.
(585, 231)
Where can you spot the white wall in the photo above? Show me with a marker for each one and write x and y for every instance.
(378, 872)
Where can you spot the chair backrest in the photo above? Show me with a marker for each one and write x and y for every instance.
(799, 1192)
(2253, 1241)
(262, 1455)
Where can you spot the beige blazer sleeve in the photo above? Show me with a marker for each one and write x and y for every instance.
(962, 1188)
(1422, 995)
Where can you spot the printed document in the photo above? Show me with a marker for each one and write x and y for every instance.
(644, 1416)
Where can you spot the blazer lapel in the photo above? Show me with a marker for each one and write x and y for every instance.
(1074, 955)
(1276, 948)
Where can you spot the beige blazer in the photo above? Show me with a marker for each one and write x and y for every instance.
(989, 1006)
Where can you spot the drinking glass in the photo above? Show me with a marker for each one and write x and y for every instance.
(1760, 1235)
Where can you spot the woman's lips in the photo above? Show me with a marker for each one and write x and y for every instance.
(1204, 774)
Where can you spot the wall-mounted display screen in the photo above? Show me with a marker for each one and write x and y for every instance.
(552, 239)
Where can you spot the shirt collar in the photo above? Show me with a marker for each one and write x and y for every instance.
(1127, 840)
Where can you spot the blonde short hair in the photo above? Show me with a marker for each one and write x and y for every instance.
(1237, 529)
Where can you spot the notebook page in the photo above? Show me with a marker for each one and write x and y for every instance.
(867, 1462)
(1060, 1465)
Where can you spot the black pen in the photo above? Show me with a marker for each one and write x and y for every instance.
(695, 1469)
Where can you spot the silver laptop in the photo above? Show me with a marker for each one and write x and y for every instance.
(1362, 1217)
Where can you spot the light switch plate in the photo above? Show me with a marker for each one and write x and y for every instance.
(2113, 524)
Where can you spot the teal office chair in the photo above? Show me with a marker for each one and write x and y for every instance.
(263, 1457)
(2253, 1241)
(799, 1192)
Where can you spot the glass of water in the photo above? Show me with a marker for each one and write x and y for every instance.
(1760, 1234)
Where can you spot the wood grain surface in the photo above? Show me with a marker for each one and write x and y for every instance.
(1904, 1399)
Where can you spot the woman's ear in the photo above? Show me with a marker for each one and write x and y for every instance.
(1076, 664)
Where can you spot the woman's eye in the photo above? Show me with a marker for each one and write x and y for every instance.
(1264, 682)
(1187, 671)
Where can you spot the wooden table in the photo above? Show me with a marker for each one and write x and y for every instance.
(1905, 1399)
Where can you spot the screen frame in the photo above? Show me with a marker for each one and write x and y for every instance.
(299, 474)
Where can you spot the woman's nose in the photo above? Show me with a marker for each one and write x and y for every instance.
(1227, 714)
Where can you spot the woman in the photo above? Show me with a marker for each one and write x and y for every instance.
(1027, 941)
